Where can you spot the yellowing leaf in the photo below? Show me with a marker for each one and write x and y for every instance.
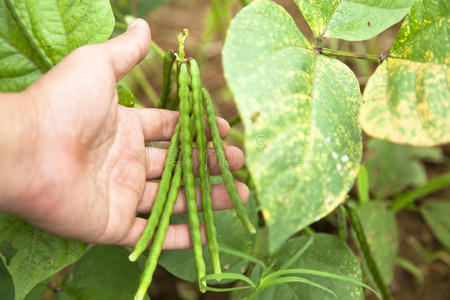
(407, 99)
(300, 111)
(353, 20)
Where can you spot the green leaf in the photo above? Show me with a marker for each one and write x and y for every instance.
(393, 167)
(406, 100)
(144, 7)
(327, 254)
(104, 272)
(126, 97)
(230, 233)
(352, 20)
(380, 228)
(436, 214)
(300, 111)
(37, 292)
(39, 254)
(6, 283)
(35, 35)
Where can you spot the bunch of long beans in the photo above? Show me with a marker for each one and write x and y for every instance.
(179, 166)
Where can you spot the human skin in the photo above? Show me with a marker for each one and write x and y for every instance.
(74, 162)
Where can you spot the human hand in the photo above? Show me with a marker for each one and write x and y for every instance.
(88, 176)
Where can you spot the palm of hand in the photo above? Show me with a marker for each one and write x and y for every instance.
(102, 166)
(91, 164)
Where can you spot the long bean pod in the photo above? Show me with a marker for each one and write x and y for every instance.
(155, 248)
(205, 185)
(160, 198)
(169, 59)
(188, 175)
(227, 177)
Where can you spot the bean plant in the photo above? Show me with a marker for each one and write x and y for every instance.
(301, 118)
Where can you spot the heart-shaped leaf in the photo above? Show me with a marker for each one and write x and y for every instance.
(352, 20)
(37, 255)
(436, 214)
(104, 272)
(327, 253)
(380, 229)
(230, 233)
(407, 99)
(300, 111)
(35, 35)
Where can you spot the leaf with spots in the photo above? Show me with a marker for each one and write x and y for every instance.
(126, 97)
(352, 20)
(230, 233)
(36, 35)
(406, 100)
(327, 253)
(300, 111)
(380, 228)
(38, 254)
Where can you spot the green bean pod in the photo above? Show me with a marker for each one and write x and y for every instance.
(155, 248)
(227, 177)
(168, 61)
(188, 175)
(205, 185)
(160, 198)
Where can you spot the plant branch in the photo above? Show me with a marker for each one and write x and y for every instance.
(148, 89)
(236, 120)
(157, 49)
(342, 221)
(362, 240)
(408, 198)
(339, 53)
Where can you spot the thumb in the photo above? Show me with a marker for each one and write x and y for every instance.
(126, 50)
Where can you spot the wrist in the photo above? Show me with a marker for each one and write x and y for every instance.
(18, 147)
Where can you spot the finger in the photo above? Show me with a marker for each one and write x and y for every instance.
(155, 158)
(126, 50)
(177, 236)
(219, 195)
(159, 124)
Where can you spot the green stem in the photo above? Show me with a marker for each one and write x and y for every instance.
(309, 230)
(236, 120)
(408, 198)
(148, 89)
(245, 2)
(362, 240)
(339, 53)
(342, 223)
(218, 18)
(157, 49)
(236, 136)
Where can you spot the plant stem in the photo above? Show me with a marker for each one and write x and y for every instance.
(148, 89)
(218, 18)
(245, 2)
(236, 136)
(157, 49)
(408, 198)
(236, 120)
(359, 232)
(342, 223)
(339, 53)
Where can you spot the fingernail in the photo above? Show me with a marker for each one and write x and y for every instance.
(133, 24)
